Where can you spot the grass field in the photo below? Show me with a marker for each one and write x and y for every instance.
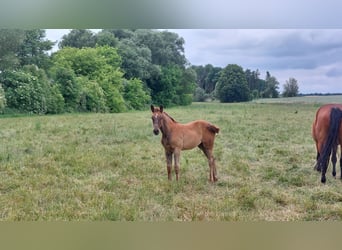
(95, 167)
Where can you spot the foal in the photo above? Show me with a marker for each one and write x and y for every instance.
(177, 137)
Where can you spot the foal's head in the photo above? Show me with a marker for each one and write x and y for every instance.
(156, 115)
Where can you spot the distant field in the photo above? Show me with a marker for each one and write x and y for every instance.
(95, 167)
(304, 99)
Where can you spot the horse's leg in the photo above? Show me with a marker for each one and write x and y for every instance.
(317, 167)
(341, 162)
(168, 164)
(324, 170)
(211, 161)
(319, 146)
(334, 160)
(177, 157)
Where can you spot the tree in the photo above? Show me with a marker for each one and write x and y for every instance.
(10, 41)
(69, 86)
(164, 89)
(166, 47)
(2, 99)
(232, 85)
(256, 85)
(291, 88)
(136, 60)
(207, 77)
(33, 50)
(97, 71)
(105, 37)
(78, 38)
(186, 87)
(271, 88)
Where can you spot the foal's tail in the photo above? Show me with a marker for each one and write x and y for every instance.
(212, 128)
(334, 127)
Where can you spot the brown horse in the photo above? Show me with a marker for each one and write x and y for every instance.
(177, 137)
(327, 133)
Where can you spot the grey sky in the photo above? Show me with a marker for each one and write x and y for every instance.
(313, 57)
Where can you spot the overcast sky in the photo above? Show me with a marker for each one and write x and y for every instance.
(313, 57)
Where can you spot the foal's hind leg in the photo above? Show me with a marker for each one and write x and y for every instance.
(177, 157)
(211, 161)
(169, 164)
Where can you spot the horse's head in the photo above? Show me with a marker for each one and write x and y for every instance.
(156, 115)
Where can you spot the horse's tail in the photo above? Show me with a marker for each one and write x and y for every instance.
(334, 127)
(212, 128)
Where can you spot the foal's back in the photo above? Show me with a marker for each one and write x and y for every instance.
(194, 133)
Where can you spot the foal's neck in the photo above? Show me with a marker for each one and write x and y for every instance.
(167, 123)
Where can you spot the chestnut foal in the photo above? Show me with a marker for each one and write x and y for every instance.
(177, 137)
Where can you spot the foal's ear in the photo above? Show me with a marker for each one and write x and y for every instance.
(152, 108)
(161, 108)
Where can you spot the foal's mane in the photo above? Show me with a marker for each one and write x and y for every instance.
(170, 117)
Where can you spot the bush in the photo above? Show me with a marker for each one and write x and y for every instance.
(134, 95)
(29, 90)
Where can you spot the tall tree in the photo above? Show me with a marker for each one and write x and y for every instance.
(207, 77)
(166, 47)
(291, 88)
(232, 85)
(105, 37)
(34, 48)
(10, 42)
(136, 60)
(272, 86)
(78, 38)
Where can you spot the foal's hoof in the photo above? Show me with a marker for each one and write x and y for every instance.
(214, 180)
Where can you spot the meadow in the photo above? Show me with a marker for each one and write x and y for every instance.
(100, 167)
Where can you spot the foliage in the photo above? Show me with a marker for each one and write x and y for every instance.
(10, 41)
(105, 68)
(29, 90)
(2, 99)
(186, 87)
(200, 95)
(256, 85)
(78, 38)
(136, 60)
(272, 86)
(94, 75)
(69, 86)
(92, 96)
(207, 77)
(135, 96)
(232, 85)
(175, 86)
(291, 88)
(33, 50)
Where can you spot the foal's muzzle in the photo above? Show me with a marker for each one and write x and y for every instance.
(156, 131)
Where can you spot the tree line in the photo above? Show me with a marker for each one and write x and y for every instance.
(114, 70)
(234, 84)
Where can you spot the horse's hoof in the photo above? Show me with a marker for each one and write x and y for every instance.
(323, 180)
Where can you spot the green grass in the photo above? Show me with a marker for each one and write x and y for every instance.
(86, 167)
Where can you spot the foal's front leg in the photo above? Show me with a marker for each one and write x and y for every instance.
(168, 164)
